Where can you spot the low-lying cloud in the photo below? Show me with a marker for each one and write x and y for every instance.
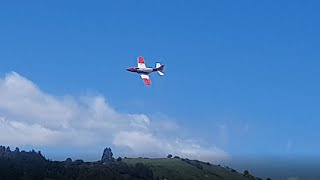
(29, 116)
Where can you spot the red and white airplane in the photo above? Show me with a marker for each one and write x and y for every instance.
(145, 71)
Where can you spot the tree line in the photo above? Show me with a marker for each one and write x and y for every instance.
(23, 165)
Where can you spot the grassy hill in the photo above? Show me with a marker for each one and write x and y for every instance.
(185, 169)
(17, 165)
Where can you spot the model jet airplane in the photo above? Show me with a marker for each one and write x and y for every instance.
(145, 71)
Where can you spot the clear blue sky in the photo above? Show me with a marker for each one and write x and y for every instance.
(247, 68)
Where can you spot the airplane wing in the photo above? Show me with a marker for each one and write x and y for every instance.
(141, 63)
(146, 79)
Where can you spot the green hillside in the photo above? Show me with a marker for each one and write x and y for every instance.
(184, 169)
(17, 165)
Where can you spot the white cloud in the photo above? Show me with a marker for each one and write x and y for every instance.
(163, 146)
(31, 117)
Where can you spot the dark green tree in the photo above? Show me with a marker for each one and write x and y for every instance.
(107, 156)
(246, 172)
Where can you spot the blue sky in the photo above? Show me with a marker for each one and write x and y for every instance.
(242, 75)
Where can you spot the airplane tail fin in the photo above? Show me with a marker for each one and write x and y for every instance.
(160, 69)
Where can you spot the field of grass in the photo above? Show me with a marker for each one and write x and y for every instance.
(178, 169)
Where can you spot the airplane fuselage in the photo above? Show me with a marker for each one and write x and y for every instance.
(141, 70)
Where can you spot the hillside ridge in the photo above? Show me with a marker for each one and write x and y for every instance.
(33, 165)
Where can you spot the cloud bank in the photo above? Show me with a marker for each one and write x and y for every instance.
(29, 116)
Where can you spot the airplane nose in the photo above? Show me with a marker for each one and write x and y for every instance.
(131, 69)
